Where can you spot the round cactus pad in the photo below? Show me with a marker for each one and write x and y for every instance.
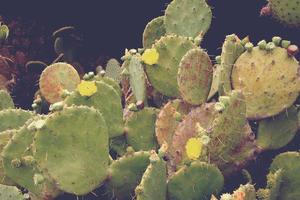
(154, 30)
(73, 148)
(55, 79)
(163, 75)
(269, 81)
(5, 100)
(188, 18)
(13, 118)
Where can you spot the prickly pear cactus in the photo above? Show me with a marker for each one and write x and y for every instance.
(286, 12)
(113, 70)
(195, 76)
(188, 18)
(4, 32)
(162, 75)
(276, 132)
(110, 82)
(55, 79)
(10, 193)
(272, 191)
(13, 118)
(268, 77)
(5, 100)
(215, 82)
(154, 30)
(72, 153)
(199, 180)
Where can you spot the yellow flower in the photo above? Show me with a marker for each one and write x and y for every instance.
(150, 56)
(193, 148)
(87, 88)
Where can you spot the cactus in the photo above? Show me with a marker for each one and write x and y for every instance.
(140, 129)
(244, 192)
(274, 72)
(107, 101)
(215, 82)
(118, 145)
(199, 180)
(6, 101)
(195, 76)
(154, 30)
(55, 79)
(278, 131)
(13, 118)
(163, 74)
(76, 157)
(272, 191)
(111, 82)
(113, 70)
(4, 32)
(286, 12)
(10, 193)
(8, 73)
(188, 18)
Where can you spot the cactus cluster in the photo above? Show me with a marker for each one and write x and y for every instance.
(166, 124)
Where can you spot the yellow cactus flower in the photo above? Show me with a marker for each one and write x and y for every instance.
(193, 148)
(87, 88)
(150, 56)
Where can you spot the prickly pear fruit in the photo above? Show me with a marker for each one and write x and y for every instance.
(5, 100)
(72, 151)
(188, 18)
(154, 30)
(269, 79)
(55, 79)
(198, 181)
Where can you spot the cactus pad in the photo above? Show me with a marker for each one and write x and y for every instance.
(5, 100)
(244, 192)
(154, 182)
(153, 31)
(126, 173)
(10, 193)
(113, 70)
(163, 75)
(215, 82)
(272, 191)
(276, 132)
(195, 76)
(140, 129)
(73, 151)
(56, 78)
(197, 181)
(111, 82)
(188, 18)
(269, 80)
(13, 118)
(118, 145)
(107, 101)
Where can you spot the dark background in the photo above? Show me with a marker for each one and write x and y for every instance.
(110, 26)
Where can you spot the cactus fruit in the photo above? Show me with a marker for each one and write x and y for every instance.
(19, 148)
(107, 101)
(188, 18)
(154, 30)
(55, 79)
(74, 153)
(269, 80)
(5, 100)
(140, 129)
(231, 50)
(113, 70)
(195, 76)
(153, 185)
(13, 118)
(244, 192)
(278, 131)
(10, 193)
(126, 173)
(286, 12)
(163, 74)
(199, 180)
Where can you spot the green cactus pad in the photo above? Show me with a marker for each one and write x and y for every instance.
(137, 78)
(276, 132)
(154, 30)
(55, 79)
(10, 193)
(113, 70)
(118, 145)
(286, 11)
(197, 181)
(126, 173)
(215, 82)
(107, 101)
(4, 32)
(269, 80)
(195, 76)
(163, 75)
(5, 100)
(188, 18)
(244, 192)
(272, 191)
(154, 182)
(187, 129)
(73, 151)
(19, 148)
(111, 82)
(168, 119)
(13, 118)
(231, 50)
(140, 129)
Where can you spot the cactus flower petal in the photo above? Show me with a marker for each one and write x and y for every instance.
(193, 148)
(87, 88)
(150, 56)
